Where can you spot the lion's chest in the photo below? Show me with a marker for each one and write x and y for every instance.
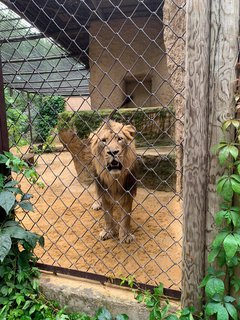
(114, 189)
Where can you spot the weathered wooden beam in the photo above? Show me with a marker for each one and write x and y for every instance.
(211, 51)
(195, 148)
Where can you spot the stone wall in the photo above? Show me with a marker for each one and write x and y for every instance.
(123, 53)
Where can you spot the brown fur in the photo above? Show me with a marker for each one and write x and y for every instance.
(114, 141)
(111, 143)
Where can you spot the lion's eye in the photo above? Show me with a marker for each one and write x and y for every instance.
(120, 138)
(104, 140)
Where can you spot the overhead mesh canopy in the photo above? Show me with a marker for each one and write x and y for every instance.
(35, 63)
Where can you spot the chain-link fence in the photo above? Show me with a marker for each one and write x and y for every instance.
(94, 95)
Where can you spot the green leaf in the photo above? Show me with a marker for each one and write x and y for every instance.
(5, 245)
(236, 177)
(140, 297)
(7, 201)
(11, 183)
(238, 168)
(20, 299)
(235, 217)
(214, 286)
(159, 290)
(25, 205)
(237, 238)
(17, 232)
(27, 304)
(230, 246)
(220, 183)
(122, 317)
(172, 317)
(222, 313)
(41, 241)
(233, 151)
(103, 314)
(229, 299)
(223, 155)
(220, 215)
(212, 308)
(231, 310)
(213, 254)
(226, 124)
(227, 191)
(3, 158)
(217, 242)
(26, 196)
(32, 310)
(235, 185)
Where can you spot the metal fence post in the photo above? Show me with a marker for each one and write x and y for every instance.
(4, 146)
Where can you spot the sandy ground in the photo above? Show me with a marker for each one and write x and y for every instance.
(64, 216)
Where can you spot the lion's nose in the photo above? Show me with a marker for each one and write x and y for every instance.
(113, 152)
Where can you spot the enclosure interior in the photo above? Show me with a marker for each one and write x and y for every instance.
(67, 66)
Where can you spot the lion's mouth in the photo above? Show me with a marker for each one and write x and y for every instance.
(114, 165)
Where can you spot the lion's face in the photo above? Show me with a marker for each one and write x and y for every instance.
(113, 148)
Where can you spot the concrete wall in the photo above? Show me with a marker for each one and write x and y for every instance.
(124, 51)
(78, 103)
(174, 17)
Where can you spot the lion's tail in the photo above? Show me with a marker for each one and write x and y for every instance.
(81, 154)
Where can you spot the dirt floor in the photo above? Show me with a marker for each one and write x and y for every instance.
(71, 228)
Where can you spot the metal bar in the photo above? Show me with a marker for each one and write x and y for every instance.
(37, 59)
(24, 38)
(4, 145)
(26, 73)
(171, 293)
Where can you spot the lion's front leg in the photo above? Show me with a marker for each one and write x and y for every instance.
(110, 229)
(125, 234)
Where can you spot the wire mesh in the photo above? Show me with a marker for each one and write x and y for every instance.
(68, 67)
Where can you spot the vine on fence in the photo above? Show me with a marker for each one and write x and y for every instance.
(221, 282)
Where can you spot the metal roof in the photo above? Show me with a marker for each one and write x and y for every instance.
(44, 43)
(67, 22)
(34, 63)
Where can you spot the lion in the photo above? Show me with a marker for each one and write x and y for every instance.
(109, 155)
(113, 148)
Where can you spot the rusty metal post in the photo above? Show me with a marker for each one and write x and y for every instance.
(4, 145)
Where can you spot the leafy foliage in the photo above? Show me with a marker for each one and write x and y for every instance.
(144, 120)
(225, 248)
(16, 119)
(48, 115)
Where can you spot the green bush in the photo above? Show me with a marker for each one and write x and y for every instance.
(17, 121)
(48, 115)
(153, 125)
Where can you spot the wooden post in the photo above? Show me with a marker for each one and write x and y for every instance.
(211, 51)
(195, 148)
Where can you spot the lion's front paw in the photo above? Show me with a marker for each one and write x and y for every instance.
(104, 234)
(96, 205)
(127, 238)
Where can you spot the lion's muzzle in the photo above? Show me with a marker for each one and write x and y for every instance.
(114, 165)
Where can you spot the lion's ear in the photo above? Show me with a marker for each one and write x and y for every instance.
(130, 130)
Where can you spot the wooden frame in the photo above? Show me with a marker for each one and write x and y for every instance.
(211, 55)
